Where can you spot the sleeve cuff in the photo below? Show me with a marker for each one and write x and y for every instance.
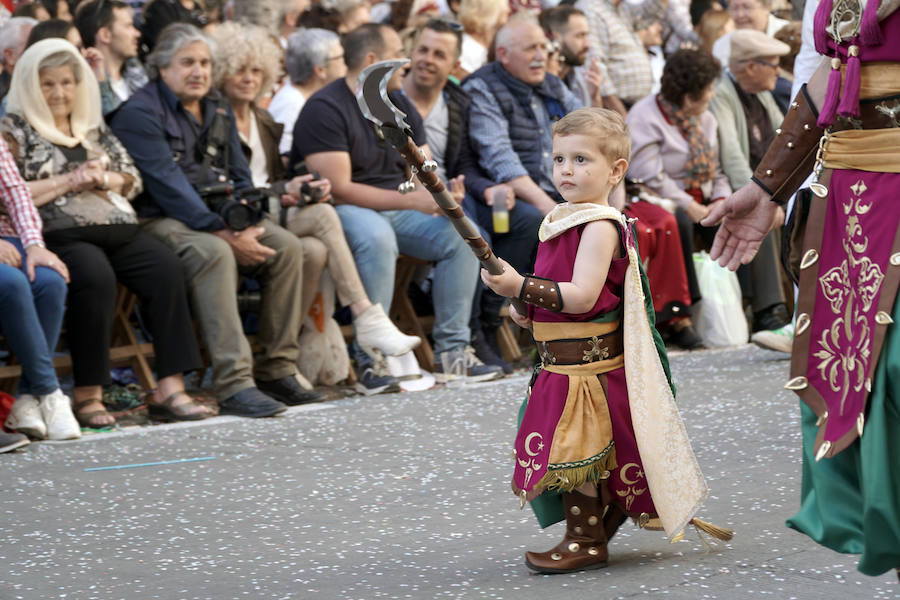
(32, 239)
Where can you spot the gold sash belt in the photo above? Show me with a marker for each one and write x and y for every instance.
(876, 80)
(863, 149)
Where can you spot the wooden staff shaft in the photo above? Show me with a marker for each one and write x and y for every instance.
(415, 157)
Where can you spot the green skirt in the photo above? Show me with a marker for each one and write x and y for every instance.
(851, 502)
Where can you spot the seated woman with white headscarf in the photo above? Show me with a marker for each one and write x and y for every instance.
(82, 181)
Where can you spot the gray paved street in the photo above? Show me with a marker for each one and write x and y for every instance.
(402, 496)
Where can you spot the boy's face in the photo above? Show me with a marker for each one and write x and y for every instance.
(581, 172)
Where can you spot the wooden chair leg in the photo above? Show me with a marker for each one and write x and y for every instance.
(125, 346)
(403, 313)
(509, 348)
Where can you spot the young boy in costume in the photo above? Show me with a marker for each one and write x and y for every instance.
(600, 438)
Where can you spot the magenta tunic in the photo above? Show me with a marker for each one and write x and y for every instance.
(627, 484)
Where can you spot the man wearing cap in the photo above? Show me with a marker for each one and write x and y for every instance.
(744, 105)
(748, 116)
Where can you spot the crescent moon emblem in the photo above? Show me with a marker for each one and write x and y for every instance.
(623, 474)
(532, 435)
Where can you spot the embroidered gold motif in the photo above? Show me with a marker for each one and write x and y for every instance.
(632, 491)
(546, 356)
(595, 350)
(529, 463)
(892, 112)
(851, 288)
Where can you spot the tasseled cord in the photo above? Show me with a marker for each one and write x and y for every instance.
(849, 106)
(832, 94)
(717, 533)
(720, 533)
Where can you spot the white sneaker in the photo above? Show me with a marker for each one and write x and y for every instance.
(25, 417)
(57, 410)
(780, 340)
(374, 331)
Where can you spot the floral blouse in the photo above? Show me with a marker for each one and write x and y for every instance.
(38, 158)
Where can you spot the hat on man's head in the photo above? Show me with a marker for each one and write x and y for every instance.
(747, 44)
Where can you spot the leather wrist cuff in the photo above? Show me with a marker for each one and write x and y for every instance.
(541, 292)
(792, 154)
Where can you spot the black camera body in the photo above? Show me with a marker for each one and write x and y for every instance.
(309, 194)
(238, 214)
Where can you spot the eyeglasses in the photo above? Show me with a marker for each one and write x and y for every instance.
(331, 58)
(764, 63)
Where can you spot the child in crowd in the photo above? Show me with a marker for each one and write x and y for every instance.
(600, 438)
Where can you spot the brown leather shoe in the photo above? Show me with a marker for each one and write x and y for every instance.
(584, 546)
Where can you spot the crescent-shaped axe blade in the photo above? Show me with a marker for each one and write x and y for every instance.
(372, 94)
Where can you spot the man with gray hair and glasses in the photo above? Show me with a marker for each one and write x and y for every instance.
(314, 58)
(13, 36)
(183, 138)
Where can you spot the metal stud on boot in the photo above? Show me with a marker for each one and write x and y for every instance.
(584, 545)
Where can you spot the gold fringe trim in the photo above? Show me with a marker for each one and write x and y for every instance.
(569, 479)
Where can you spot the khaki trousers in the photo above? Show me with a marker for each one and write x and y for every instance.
(211, 273)
(321, 222)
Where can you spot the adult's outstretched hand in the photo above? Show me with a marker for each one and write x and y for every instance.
(746, 217)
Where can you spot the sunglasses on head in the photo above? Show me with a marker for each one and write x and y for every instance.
(442, 24)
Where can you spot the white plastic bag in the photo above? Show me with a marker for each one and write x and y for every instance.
(719, 317)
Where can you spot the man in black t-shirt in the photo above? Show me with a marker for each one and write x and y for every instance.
(334, 138)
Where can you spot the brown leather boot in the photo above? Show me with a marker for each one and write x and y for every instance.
(583, 547)
(614, 515)
(612, 520)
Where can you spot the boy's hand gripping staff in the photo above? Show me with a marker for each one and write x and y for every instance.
(372, 96)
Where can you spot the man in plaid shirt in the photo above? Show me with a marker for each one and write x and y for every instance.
(624, 63)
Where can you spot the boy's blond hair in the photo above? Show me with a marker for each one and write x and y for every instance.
(606, 126)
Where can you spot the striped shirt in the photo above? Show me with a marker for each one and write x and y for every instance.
(18, 216)
(624, 63)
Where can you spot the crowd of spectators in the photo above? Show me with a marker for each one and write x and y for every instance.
(181, 147)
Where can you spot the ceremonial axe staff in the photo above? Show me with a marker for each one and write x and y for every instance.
(372, 96)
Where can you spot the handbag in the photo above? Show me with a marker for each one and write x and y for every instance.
(719, 317)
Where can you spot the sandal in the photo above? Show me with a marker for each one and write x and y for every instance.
(88, 420)
(169, 411)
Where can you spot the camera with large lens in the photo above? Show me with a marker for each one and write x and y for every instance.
(237, 214)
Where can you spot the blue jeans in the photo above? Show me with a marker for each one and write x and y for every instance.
(31, 314)
(376, 239)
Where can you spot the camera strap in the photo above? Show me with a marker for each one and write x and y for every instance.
(217, 138)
